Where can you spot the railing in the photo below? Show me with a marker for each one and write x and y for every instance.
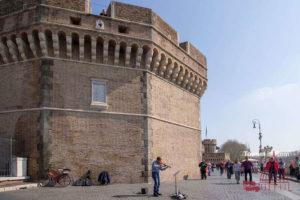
(6, 148)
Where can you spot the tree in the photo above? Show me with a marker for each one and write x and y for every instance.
(234, 148)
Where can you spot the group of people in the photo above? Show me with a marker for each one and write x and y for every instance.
(236, 168)
(272, 167)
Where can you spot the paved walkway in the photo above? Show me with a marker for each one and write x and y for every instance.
(215, 188)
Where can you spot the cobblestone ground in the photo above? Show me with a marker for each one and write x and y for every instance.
(215, 188)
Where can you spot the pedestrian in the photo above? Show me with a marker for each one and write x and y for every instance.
(297, 168)
(281, 168)
(157, 166)
(248, 167)
(221, 168)
(203, 167)
(261, 166)
(218, 166)
(213, 166)
(272, 167)
(229, 169)
(237, 171)
(208, 168)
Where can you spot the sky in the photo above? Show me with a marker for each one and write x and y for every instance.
(253, 57)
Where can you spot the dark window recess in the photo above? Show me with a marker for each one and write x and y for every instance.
(123, 29)
(75, 21)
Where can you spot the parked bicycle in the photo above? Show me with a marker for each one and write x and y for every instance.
(54, 177)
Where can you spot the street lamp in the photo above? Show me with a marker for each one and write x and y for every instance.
(255, 122)
(267, 150)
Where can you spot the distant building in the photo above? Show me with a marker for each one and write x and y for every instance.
(210, 153)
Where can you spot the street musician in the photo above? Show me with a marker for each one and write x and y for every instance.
(157, 166)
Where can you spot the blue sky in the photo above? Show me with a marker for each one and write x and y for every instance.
(253, 53)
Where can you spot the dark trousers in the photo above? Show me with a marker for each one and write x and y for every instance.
(248, 171)
(272, 174)
(229, 174)
(203, 174)
(221, 171)
(156, 179)
(281, 173)
(297, 173)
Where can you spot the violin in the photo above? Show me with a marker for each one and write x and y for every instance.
(165, 165)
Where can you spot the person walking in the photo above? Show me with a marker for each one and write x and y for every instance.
(229, 169)
(247, 166)
(297, 168)
(272, 167)
(208, 168)
(203, 167)
(237, 171)
(221, 168)
(157, 166)
(281, 168)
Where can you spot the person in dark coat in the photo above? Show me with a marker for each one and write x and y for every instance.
(229, 169)
(248, 167)
(203, 167)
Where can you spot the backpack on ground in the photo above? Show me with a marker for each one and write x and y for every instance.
(104, 178)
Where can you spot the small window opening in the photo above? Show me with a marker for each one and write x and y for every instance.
(75, 21)
(123, 29)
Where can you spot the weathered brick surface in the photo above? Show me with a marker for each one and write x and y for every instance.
(10, 6)
(78, 5)
(172, 103)
(178, 147)
(131, 12)
(97, 142)
(19, 86)
(72, 87)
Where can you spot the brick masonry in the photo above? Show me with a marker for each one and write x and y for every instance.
(154, 88)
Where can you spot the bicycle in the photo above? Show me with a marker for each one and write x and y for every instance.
(54, 177)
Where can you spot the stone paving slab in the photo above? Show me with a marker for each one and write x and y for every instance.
(215, 188)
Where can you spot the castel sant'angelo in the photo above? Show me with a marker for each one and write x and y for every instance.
(98, 92)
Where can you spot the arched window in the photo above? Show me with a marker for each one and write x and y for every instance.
(49, 43)
(133, 55)
(154, 56)
(75, 46)
(146, 50)
(111, 52)
(122, 55)
(99, 50)
(36, 41)
(28, 52)
(87, 48)
(62, 41)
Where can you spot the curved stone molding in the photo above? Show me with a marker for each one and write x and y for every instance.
(39, 43)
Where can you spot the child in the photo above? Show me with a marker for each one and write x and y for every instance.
(237, 171)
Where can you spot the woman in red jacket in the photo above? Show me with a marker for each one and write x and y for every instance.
(272, 167)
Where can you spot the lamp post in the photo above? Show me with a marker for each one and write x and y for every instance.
(267, 150)
(255, 122)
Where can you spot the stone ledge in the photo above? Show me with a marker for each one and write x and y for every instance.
(21, 178)
(18, 187)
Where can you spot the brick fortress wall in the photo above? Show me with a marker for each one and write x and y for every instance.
(154, 86)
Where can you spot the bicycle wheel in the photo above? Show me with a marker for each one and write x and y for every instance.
(64, 180)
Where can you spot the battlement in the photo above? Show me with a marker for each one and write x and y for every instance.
(126, 31)
(210, 141)
(11, 6)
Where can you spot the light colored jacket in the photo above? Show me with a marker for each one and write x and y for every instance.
(237, 167)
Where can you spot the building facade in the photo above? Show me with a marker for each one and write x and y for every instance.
(88, 92)
(210, 153)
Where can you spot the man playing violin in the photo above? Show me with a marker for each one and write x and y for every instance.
(157, 166)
